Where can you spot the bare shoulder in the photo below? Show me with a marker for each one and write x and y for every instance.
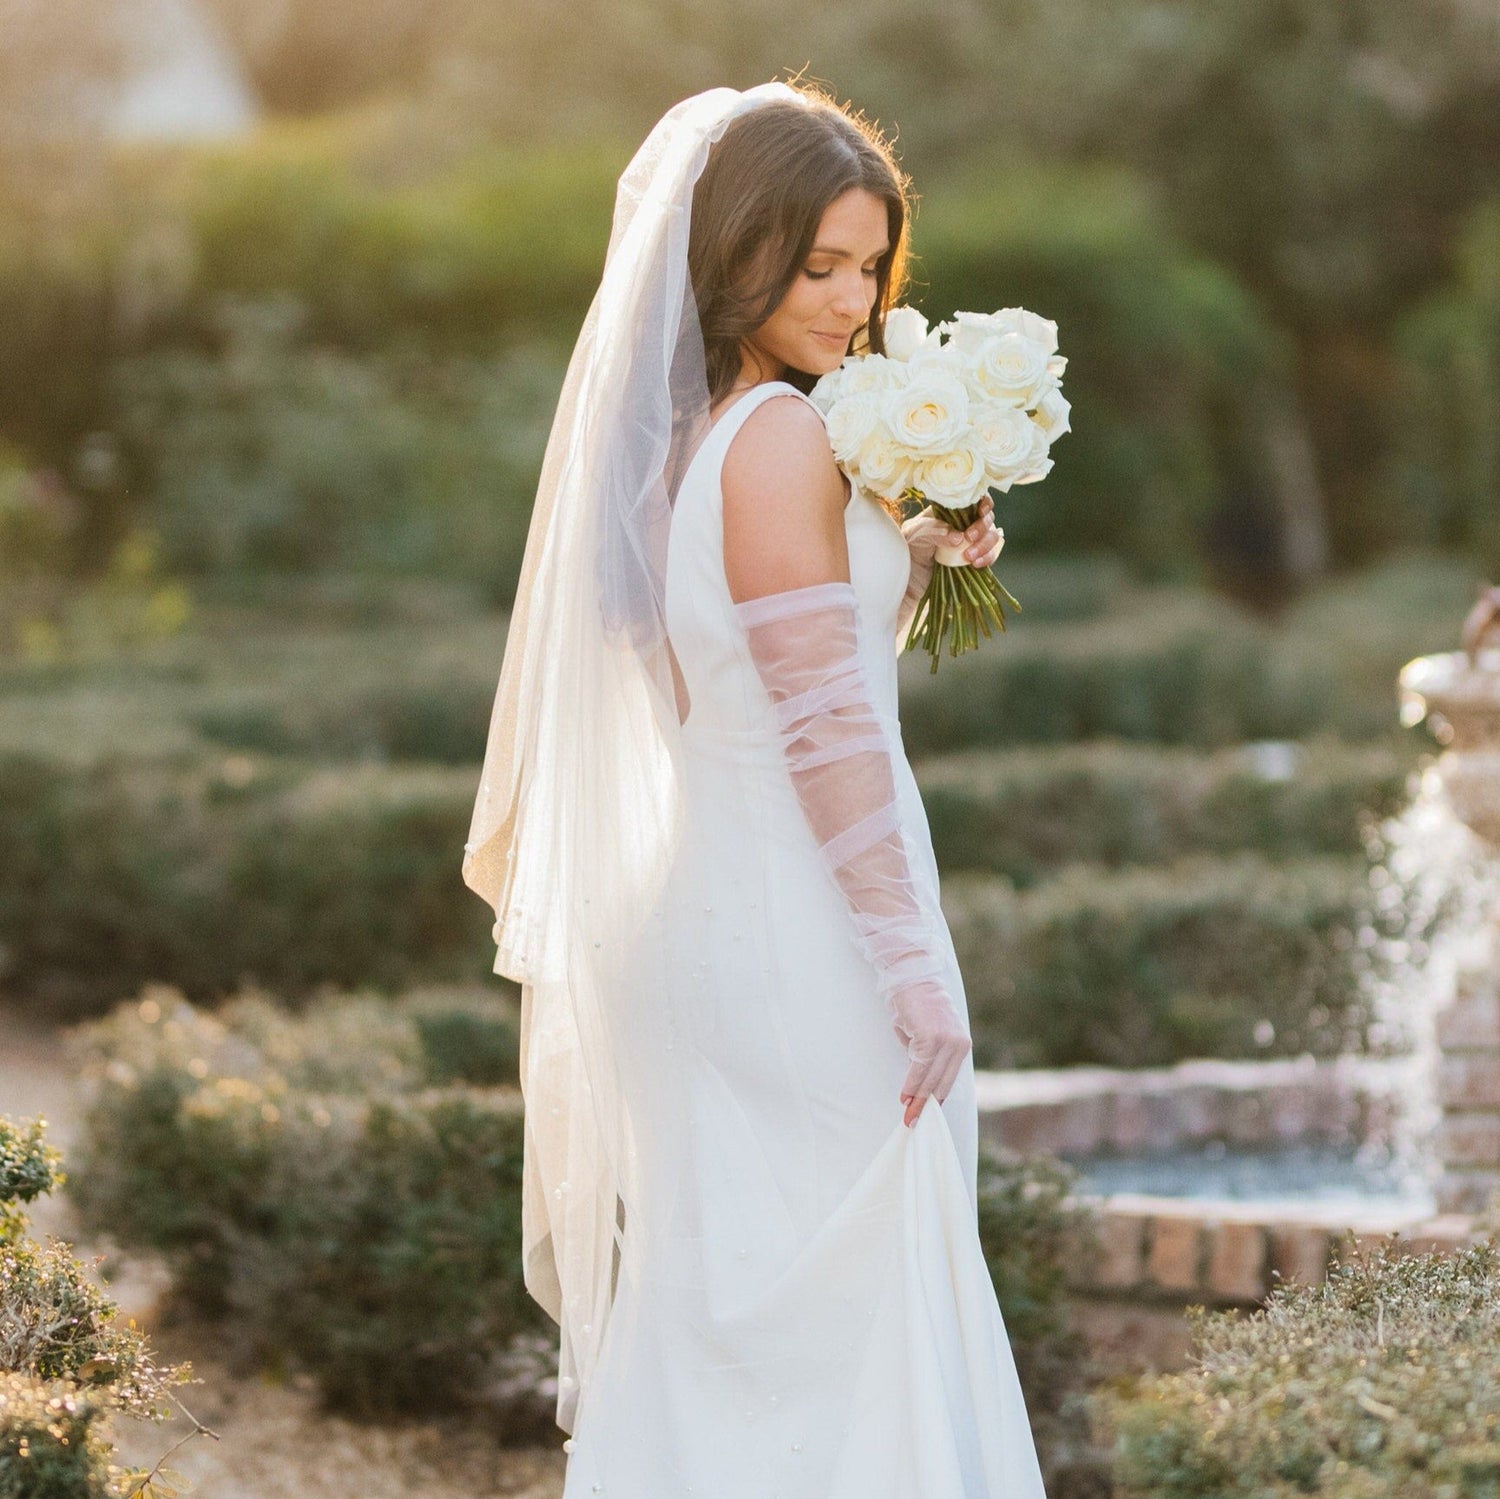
(784, 500)
(781, 448)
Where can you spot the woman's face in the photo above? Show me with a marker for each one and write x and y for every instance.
(834, 291)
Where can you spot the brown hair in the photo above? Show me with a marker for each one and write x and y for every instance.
(756, 210)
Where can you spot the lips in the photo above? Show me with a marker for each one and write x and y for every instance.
(839, 338)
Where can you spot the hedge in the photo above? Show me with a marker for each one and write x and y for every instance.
(1024, 812)
(1382, 1380)
(296, 877)
(66, 1369)
(332, 1209)
(1142, 968)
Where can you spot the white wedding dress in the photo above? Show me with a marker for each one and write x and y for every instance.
(812, 1317)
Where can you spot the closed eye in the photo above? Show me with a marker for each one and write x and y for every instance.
(824, 275)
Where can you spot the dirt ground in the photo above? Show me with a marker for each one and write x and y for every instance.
(270, 1442)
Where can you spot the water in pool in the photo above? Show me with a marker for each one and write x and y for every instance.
(1319, 1176)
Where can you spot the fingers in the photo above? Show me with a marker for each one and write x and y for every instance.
(983, 539)
(917, 1080)
(981, 542)
(934, 1077)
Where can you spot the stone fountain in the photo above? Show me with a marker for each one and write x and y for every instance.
(1458, 692)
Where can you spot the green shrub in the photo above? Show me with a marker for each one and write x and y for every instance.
(1438, 482)
(65, 1368)
(52, 1441)
(1226, 958)
(454, 259)
(305, 1185)
(1169, 666)
(1164, 352)
(1024, 812)
(1383, 1380)
(311, 1188)
(264, 453)
(1174, 666)
(1032, 1227)
(121, 874)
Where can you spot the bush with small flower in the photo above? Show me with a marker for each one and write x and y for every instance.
(1383, 1382)
(65, 1369)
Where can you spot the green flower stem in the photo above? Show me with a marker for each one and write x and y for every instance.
(958, 602)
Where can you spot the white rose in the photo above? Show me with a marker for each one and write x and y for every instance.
(1038, 464)
(830, 388)
(852, 422)
(930, 414)
(905, 329)
(884, 466)
(937, 359)
(955, 478)
(871, 372)
(1052, 414)
(968, 330)
(1009, 368)
(1005, 437)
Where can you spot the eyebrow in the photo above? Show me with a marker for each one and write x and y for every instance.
(842, 254)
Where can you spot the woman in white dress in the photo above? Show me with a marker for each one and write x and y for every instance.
(749, 1195)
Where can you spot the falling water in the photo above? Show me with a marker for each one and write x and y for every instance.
(1435, 895)
(183, 82)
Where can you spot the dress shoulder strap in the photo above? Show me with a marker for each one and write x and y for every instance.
(715, 444)
(742, 408)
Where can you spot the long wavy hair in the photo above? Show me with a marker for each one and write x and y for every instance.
(756, 210)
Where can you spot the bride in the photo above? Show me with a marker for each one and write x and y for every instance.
(749, 1186)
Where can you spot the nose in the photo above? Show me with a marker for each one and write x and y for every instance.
(851, 300)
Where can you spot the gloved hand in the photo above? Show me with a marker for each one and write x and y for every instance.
(925, 534)
(839, 752)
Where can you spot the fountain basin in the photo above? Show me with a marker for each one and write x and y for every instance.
(1460, 695)
(1215, 1180)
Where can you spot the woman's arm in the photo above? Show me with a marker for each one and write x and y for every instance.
(788, 569)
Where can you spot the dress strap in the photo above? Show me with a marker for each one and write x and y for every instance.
(732, 418)
(715, 443)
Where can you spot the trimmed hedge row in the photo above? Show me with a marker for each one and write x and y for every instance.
(1173, 667)
(1221, 958)
(296, 876)
(125, 875)
(1022, 813)
(337, 667)
(313, 1190)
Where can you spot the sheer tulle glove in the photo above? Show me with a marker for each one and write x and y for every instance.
(924, 534)
(838, 750)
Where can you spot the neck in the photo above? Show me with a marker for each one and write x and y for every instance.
(756, 367)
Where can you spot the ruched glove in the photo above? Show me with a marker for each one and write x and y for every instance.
(838, 750)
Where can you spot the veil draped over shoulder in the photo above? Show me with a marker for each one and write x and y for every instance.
(579, 806)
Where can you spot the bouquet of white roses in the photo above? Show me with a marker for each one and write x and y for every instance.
(943, 416)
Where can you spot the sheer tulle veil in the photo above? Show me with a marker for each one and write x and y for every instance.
(577, 813)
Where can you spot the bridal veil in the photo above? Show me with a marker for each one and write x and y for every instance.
(578, 809)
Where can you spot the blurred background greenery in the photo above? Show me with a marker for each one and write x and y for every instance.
(287, 292)
(286, 296)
